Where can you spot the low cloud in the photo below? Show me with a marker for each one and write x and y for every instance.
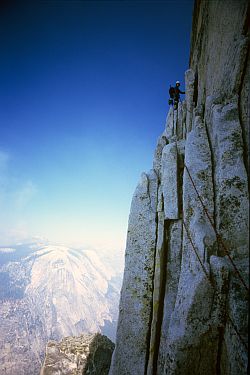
(10, 236)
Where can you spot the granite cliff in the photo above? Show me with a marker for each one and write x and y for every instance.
(184, 299)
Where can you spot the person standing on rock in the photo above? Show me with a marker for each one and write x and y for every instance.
(177, 93)
(174, 93)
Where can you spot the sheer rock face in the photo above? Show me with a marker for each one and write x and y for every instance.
(87, 354)
(194, 317)
(136, 295)
(170, 181)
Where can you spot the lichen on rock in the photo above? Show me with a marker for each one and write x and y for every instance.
(88, 354)
(184, 305)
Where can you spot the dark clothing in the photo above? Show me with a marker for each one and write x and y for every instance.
(177, 93)
(174, 93)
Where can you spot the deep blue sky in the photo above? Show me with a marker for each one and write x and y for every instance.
(83, 99)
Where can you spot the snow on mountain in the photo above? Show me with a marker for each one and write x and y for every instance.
(49, 291)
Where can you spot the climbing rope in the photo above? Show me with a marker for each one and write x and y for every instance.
(189, 110)
(218, 236)
(212, 284)
(237, 332)
(196, 252)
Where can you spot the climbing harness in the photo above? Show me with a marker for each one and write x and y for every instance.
(173, 99)
(171, 94)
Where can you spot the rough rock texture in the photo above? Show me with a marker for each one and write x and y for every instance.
(48, 291)
(138, 276)
(86, 354)
(184, 303)
(170, 181)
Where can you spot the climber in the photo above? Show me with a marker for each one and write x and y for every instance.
(174, 93)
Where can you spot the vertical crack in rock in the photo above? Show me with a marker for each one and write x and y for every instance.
(171, 320)
(158, 296)
(189, 89)
(196, 12)
(169, 181)
(195, 97)
(148, 337)
(135, 313)
(163, 267)
(221, 333)
(213, 182)
(151, 315)
(244, 131)
(180, 171)
(173, 254)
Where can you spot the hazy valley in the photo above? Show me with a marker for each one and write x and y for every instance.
(49, 291)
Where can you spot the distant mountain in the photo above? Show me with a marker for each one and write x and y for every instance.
(49, 291)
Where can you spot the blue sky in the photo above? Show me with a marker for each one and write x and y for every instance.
(83, 99)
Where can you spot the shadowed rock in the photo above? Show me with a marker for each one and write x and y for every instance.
(197, 311)
(83, 355)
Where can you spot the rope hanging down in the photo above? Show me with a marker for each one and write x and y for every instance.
(213, 285)
(216, 232)
(196, 252)
(218, 236)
